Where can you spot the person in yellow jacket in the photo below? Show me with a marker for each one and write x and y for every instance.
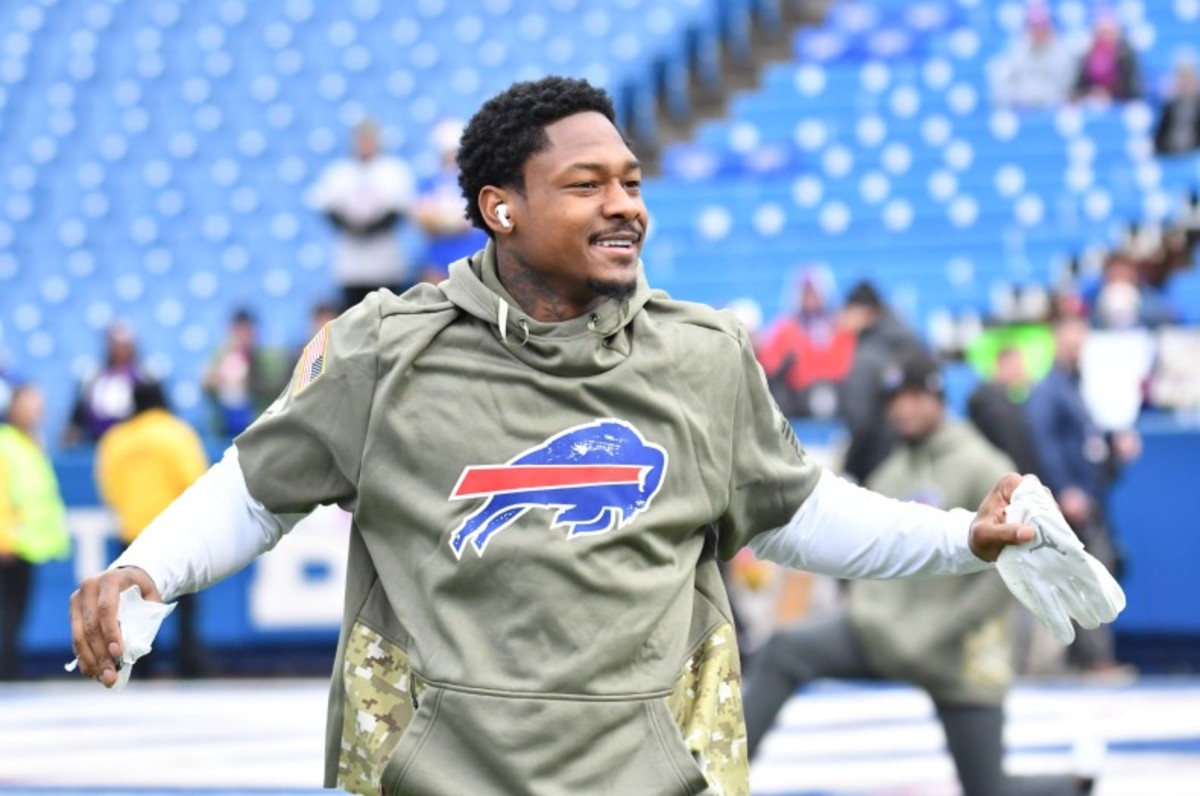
(142, 465)
(33, 527)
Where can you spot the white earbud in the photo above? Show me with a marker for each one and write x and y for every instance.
(502, 215)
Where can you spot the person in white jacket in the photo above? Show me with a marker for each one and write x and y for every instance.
(367, 197)
(1037, 69)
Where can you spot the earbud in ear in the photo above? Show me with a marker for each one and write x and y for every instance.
(502, 216)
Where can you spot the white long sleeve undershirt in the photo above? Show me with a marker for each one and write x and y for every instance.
(850, 532)
(216, 528)
(211, 531)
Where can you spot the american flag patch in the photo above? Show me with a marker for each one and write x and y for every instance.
(312, 361)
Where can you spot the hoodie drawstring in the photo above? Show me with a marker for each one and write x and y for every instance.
(502, 321)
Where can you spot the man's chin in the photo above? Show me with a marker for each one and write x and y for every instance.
(619, 289)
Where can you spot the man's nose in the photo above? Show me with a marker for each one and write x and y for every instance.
(620, 202)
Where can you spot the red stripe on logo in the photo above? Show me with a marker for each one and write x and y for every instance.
(491, 480)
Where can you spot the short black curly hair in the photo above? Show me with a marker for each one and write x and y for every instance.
(511, 127)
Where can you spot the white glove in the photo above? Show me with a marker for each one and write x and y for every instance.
(140, 620)
(1055, 578)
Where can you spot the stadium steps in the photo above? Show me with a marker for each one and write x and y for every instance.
(743, 63)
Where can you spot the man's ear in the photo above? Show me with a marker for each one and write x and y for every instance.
(497, 210)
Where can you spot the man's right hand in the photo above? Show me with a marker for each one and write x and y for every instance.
(95, 629)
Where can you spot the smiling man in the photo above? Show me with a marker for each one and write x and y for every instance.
(544, 460)
(570, 216)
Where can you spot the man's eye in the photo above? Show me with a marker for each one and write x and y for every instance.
(584, 185)
(633, 183)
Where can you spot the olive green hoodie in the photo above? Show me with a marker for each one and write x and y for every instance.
(532, 603)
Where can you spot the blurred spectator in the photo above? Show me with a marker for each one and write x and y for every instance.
(806, 352)
(881, 339)
(107, 397)
(33, 526)
(242, 379)
(1076, 462)
(1176, 252)
(1108, 69)
(1178, 129)
(1156, 251)
(1068, 302)
(950, 636)
(367, 197)
(142, 464)
(1036, 70)
(1124, 301)
(1176, 380)
(1116, 368)
(995, 409)
(442, 211)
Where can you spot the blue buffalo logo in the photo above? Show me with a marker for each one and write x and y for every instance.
(597, 477)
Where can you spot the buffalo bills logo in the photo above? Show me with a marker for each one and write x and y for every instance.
(597, 476)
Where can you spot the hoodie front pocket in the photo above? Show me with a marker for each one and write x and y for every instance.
(485, 744)
(408, 750)
(686, 767)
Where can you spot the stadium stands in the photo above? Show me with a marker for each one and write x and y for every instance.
(878, 152)
(156, 153)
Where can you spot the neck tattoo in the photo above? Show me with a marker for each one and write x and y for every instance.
(535, 295)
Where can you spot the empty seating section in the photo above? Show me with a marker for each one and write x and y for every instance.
(156, 153)
(879, 152)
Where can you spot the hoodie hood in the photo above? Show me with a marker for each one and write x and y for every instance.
(589, 344)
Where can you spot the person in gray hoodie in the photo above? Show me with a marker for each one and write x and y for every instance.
(544, 460)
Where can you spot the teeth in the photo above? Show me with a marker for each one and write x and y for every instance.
(616, 244)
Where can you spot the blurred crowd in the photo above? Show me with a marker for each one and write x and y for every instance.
(1051, 379)
(1069, 421)
(1041, 68)
(818, 355)
(145, 454)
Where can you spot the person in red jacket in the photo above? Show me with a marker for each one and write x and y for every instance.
(807, 351)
